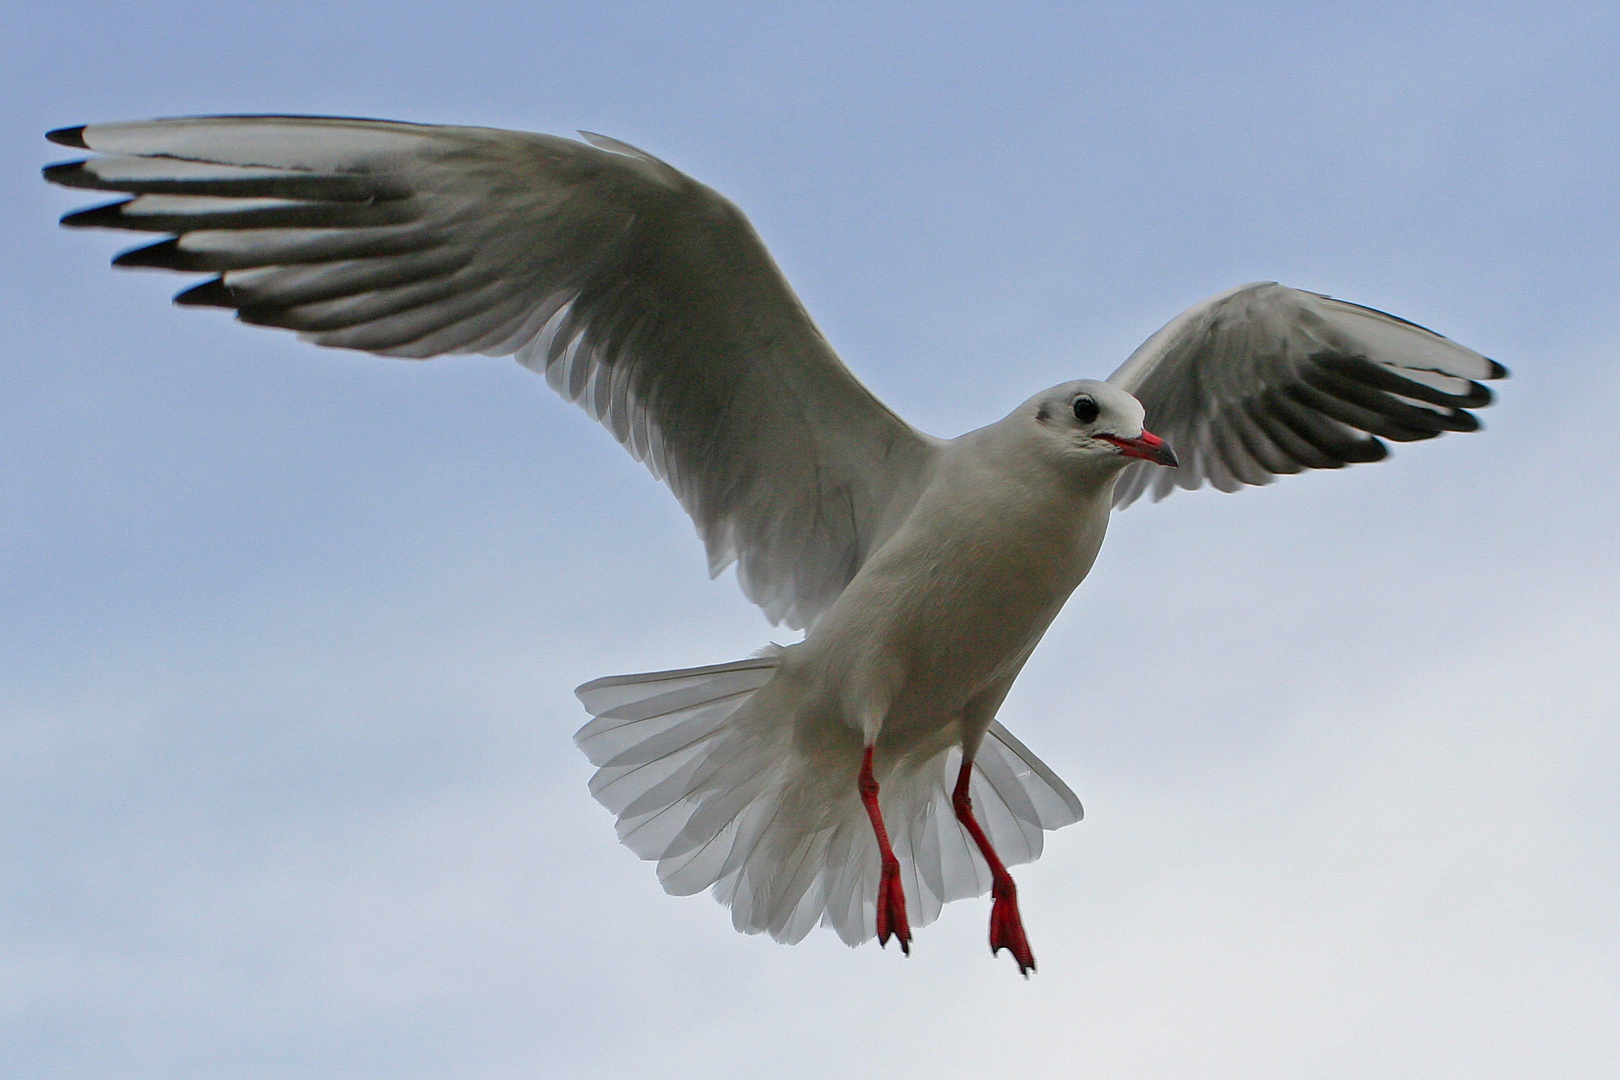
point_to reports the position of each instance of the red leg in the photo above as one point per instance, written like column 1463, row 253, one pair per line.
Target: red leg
column 1006, row 925
column 891, row 899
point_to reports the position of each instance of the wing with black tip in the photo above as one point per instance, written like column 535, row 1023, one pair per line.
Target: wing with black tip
column 639, row 293
column 1264, row 379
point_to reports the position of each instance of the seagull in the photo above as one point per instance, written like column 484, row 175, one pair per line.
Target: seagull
column 859, row 778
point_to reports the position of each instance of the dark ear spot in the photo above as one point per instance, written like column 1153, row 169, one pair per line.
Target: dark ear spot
column 1042, row 415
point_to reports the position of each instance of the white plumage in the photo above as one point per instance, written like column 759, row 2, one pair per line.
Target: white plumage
column 699, row 796
column 925, row 570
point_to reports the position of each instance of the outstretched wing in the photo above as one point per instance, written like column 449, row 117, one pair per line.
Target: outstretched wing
column 1264, row 379
column 639, row 293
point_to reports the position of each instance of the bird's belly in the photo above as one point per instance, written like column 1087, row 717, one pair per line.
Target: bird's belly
column 965, row 635
column 925, row 630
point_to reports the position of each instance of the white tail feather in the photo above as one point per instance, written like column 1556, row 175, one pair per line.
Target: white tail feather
column 720, row 797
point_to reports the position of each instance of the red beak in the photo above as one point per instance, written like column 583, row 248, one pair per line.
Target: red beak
column 1147, row 446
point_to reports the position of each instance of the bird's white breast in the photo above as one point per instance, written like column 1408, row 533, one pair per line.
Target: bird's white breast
column 950, row 607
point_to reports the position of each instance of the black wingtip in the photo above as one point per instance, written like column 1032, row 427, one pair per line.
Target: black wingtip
column 163, row 255
column 212, row 293
column 64, row 173
column 108, row 215
column 69, row 136
column 1497, row 370
column 1360, row 452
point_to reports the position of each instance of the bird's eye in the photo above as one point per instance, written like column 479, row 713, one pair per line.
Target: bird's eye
column 1085, row 408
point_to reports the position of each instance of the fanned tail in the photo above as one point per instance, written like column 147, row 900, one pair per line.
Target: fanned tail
column 718, row 794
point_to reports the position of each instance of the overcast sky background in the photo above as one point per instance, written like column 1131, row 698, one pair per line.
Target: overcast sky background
column 288, row 635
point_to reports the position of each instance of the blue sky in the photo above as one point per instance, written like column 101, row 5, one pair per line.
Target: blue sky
column 287, row 636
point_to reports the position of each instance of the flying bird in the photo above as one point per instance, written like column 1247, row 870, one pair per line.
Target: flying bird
column 858, row 778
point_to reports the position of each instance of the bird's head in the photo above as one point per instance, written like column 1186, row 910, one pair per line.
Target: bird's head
column 1095, row 422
